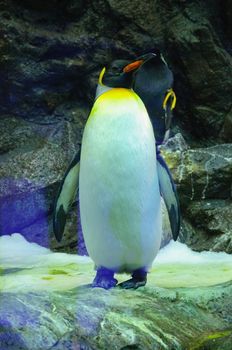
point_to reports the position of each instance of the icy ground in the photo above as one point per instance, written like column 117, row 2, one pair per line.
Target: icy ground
column 27, row 266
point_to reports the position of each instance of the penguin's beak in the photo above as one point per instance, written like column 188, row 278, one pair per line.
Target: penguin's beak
column 136, row 64
column 132, row 66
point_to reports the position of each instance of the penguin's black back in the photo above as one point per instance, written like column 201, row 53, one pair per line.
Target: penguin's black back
column 151, row 83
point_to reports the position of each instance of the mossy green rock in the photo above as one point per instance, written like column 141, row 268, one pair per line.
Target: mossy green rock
column 150, row 318
column 51, row 305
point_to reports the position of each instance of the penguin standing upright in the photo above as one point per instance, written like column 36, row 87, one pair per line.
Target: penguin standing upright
column 119, row 189
column 153, row 84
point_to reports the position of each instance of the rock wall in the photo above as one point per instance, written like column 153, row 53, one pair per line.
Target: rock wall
column 204, row 182
column 50, row 56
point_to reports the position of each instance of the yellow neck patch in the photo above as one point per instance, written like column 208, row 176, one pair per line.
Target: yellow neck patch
column 101, row 76
column 170, row 94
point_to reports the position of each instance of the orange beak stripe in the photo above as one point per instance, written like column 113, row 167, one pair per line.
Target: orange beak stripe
column 132, row 66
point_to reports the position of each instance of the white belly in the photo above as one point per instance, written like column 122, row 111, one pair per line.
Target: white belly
column 119, row 192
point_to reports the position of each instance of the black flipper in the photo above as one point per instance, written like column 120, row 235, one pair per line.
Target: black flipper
column 66, row 196
column 169, row 194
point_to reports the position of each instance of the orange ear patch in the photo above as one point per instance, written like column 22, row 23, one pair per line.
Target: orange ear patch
column 132, row 66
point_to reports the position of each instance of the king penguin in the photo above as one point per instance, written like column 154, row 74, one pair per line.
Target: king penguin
column 118, row 179
column 153, row 84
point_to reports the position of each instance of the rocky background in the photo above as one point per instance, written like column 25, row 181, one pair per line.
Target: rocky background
column 50, row 56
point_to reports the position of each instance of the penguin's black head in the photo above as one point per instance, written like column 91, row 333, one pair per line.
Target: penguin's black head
column 119, row 73
column 154, row 76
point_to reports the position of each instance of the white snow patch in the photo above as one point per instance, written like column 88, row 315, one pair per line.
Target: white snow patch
column 16, row 251
column 179, row 253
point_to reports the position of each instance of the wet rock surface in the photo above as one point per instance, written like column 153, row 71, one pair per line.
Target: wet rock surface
column 98, row 319
column 33, row 158
column 201, row 173
column 203, row 178
column 51, row 306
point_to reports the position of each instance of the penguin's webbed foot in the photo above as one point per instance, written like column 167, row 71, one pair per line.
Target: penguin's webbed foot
column 132, row 283
column 139, row 279
column 104, row 279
